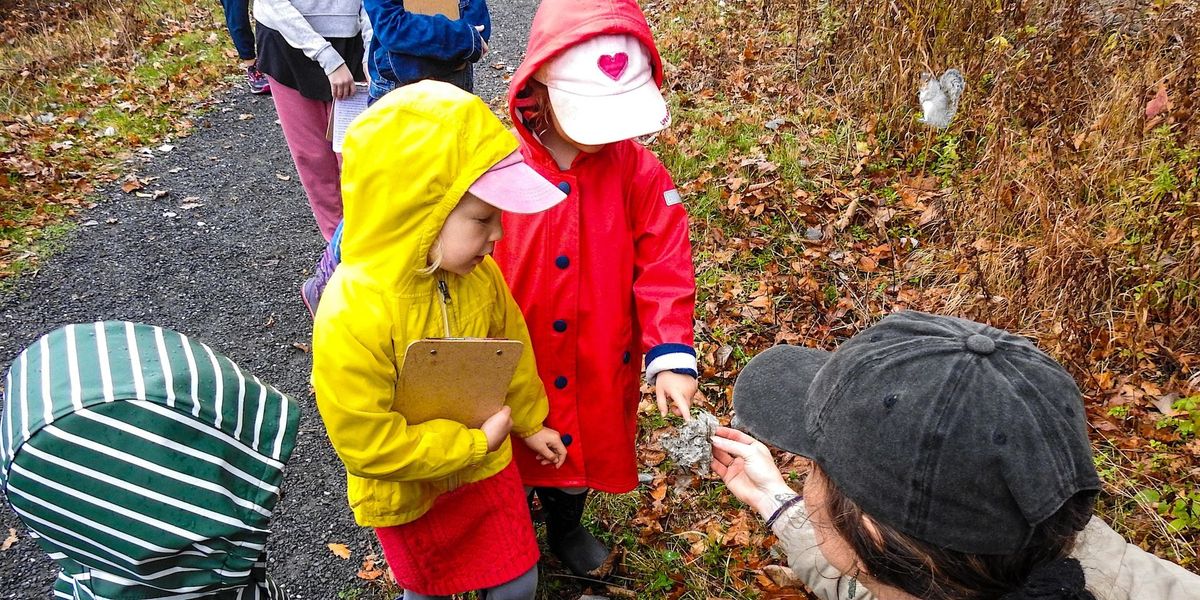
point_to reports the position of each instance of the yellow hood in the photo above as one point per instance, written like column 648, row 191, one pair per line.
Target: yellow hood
column 419, row 147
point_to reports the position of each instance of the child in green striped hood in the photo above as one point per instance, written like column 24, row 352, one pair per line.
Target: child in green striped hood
column 145, row 464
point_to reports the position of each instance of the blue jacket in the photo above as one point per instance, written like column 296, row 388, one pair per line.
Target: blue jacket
column 407, row 47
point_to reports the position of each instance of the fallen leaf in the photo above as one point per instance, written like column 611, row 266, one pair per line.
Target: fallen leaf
column 369, row 571
column 370, row 575
column 300, row 346
column 844, row 220
column 340, row 550
column 723, row 354
column 1166, row 404
column 763, row 302
column 782, row 576
column 10, row 540
column 659, row 492
column 131, row 185
column 1159, row 103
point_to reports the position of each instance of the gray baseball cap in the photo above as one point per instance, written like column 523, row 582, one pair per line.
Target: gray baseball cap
column 953, row 432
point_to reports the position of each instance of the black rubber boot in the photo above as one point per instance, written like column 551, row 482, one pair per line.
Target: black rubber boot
column 569, row 540
column 536, row 512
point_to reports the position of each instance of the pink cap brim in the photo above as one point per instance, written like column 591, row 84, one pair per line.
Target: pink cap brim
column 513, row 186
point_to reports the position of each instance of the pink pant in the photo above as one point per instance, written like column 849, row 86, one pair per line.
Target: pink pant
column 304, row 124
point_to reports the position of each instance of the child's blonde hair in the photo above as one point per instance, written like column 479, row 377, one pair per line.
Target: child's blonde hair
column 434, row 258
column 533, row 105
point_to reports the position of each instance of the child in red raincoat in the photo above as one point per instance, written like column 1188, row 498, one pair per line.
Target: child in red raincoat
column 605, row 278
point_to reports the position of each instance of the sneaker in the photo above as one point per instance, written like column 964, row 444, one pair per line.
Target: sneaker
column 313, row 287
column 257, row 81
column 310, row 292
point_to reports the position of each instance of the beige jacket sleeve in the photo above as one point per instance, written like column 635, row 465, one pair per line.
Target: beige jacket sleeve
column 1118, row 570
column 1114, row 569
column 799, row 542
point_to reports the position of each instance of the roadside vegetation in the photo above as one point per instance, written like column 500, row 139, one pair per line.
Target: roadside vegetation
column 85, row 84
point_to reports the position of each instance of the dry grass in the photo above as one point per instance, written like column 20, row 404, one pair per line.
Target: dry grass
column 1087, row 208
column 43, row 37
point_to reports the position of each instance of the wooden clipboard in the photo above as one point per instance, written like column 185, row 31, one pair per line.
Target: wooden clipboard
column 461, row 379
column 446, row 8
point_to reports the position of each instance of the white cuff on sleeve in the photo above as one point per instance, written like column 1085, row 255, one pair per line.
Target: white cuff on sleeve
column 667, row 362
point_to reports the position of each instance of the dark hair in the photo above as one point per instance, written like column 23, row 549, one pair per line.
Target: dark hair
column 1041, row 571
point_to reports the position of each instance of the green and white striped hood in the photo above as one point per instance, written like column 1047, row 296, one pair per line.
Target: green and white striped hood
column 146, row 464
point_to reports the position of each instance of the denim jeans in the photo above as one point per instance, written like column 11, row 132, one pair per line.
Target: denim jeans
column 237, row 21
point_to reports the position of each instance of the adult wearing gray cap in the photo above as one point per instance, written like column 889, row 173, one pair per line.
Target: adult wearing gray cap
column 950, row 461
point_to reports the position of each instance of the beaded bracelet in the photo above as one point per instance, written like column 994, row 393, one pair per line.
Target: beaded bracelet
column 783, row 508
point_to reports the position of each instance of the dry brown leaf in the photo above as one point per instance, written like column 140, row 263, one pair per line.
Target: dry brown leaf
column 1159, row 103
column 844, row 220
column 867, row 264
column 659, row 492
column 782, row 576
column 763, row 302
column 1166, row 404
column 10, row 540
column 620, row 592
column 369, row 571
column 342, row 551
column 723, row 354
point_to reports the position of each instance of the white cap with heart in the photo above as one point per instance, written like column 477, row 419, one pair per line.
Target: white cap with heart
column 603, row 90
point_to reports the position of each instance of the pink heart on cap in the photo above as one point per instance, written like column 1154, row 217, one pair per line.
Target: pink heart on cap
column 613, row 64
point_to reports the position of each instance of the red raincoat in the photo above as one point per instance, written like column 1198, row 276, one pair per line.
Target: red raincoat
column 603, row 278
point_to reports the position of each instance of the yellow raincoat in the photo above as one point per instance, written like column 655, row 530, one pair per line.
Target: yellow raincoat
column 408, row 161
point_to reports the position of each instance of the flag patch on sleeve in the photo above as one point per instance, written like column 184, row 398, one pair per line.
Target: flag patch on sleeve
column 672, row 197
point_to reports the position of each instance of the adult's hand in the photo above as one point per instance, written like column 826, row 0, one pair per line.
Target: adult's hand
column 341, row 83
column 749, row 472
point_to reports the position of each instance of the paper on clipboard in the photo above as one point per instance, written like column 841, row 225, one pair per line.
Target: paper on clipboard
column 461, row 379
column 344, row 113
column 447, row 8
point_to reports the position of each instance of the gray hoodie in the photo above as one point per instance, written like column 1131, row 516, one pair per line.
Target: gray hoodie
column 306, row 23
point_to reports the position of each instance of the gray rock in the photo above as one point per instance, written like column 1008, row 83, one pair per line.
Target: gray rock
column 691, row 445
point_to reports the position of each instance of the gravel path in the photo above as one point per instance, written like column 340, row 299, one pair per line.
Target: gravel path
column 228, row 273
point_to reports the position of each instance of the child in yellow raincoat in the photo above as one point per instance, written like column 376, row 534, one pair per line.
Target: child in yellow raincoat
column 428, row 170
